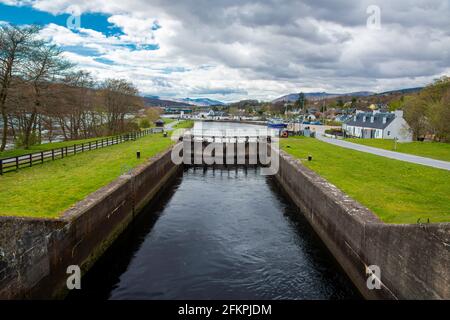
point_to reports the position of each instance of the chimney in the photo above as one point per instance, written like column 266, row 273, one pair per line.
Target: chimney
column 399, row 113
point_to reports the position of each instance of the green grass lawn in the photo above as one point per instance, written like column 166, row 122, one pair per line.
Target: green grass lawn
column 47, row 190
column 397, row 191
column 184, row 124
column 44, row 147
column 434, row 150
column 168, row 120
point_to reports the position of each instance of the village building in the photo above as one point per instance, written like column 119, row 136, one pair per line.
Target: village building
column 378, row 125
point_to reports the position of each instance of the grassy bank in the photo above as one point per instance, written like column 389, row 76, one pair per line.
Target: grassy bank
column 168, row 120
column 434, row 150
column 184, row 124
column 44, row 147
column 397, row 191
column 47, row 190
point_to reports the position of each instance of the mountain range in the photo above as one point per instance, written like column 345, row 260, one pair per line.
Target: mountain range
column 200, row 102
column 206, row 102
column 155, row 101
column 324, row 95
column 321, row 95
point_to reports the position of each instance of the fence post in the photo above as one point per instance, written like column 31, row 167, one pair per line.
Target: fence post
column 67, row 151
column 53, row 154
column 1, row 167
column 17, row 163
column 75, row 148
column 31, row 159
column 42, row 156
column 89, row 146
column 62, row 152
column 82, row 147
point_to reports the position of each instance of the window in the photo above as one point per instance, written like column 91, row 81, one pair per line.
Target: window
column 371, row 119
column 389, row 133
column 384, row 119
column 364, row 119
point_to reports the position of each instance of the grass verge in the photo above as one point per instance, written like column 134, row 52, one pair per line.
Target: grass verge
column 434, row 150
column 397, row 191
column 185, row 124
column 49, row 189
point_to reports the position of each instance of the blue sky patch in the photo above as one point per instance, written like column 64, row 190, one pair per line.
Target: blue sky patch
column 28, row 15
column 84, row 51
column 104, row 61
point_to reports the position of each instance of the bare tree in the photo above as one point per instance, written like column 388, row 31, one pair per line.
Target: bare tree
column 45, row 65
column 75, row 109
column 15, row 44
column 119, row 99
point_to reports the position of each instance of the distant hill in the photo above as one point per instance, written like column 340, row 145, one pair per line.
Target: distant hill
column 156, row 102
column 325, row 95
column 321, row 95
column 201, row 102
column 402, row 91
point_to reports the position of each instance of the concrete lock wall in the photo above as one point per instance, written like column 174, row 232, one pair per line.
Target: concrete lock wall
column 414, row 259
column 35, row 253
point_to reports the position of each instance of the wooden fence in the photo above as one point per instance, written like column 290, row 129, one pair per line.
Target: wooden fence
column 31, row 159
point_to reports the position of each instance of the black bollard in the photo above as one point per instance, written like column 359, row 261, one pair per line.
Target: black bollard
column 310, row 158
column 138, row 154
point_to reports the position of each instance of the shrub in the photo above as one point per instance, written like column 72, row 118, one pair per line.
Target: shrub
column 144, row 123
column 19, row 142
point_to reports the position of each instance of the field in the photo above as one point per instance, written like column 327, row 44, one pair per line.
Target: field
column 49, row 189
column 397, row 191
column 434, row 150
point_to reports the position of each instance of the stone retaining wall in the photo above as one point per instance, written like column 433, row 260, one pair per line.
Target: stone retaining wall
column 35, row 253
column 414, row 259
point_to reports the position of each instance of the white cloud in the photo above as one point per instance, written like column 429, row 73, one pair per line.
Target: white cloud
column 264, row 48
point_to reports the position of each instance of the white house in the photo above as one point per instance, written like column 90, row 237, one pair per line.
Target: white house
column 378, row 125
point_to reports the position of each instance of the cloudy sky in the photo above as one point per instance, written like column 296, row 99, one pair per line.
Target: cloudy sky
column 239, row 49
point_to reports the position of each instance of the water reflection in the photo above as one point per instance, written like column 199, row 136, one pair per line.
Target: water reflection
column 218, row 234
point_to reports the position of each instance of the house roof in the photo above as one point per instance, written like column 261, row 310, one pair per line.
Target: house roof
column 377, row 121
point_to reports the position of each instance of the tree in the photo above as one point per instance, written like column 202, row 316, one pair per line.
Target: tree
column 45, row 64
column 153, row 114
column 144, row 123
column 415, row 116
column 301, row 101
column 76, row 108
column 15, row 45
column 119, row 99
column 428, row 111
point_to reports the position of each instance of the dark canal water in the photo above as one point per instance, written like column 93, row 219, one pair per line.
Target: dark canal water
column 218, row 234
